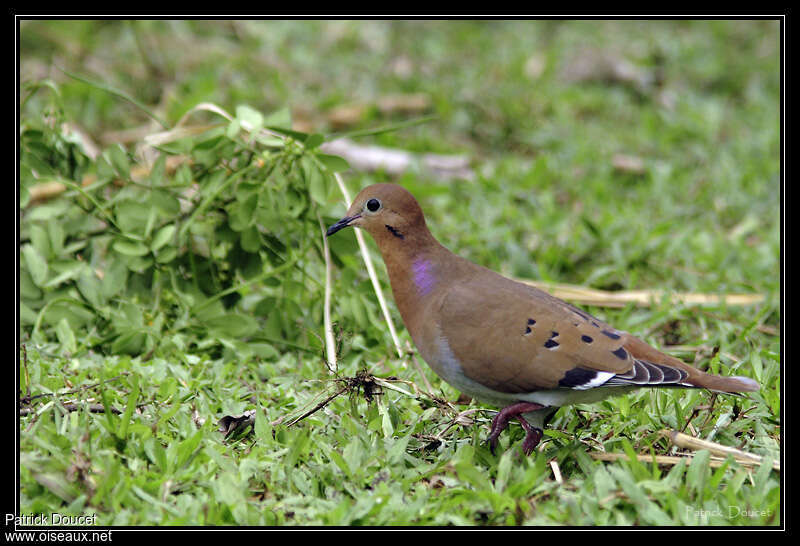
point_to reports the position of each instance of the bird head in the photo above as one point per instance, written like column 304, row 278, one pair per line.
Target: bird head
column 386, row 211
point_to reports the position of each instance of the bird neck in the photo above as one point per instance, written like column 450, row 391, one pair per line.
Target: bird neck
column 418, row 266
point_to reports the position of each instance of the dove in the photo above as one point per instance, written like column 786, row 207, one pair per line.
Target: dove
column 502, row 342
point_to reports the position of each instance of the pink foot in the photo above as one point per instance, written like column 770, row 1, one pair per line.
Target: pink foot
column 500, row 423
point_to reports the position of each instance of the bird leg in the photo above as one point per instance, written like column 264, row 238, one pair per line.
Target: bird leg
column 500, row 423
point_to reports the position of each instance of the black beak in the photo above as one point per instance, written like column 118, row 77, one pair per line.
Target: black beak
column 343, row 223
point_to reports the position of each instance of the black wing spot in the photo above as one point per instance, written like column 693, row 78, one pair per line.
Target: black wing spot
column 550, row 344
column 553, row 334
column 528, row 330
column 577, row 377
column 586, row 339
column 621, row 353
column 612, row 335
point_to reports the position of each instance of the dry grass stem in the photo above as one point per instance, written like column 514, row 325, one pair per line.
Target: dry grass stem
column 690, row 442
column 362, row 244
column 643, row 298
column 556, row 471
column 330, row 343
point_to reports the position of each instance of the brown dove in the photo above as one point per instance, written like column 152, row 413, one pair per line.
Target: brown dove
column 502, row 342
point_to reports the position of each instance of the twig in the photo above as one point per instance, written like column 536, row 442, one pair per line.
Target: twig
column 330, row 343
column 444, row 404
column 29, row 399
column 93, row 408
column 371, row 271
column 27, row 375
column 117, row 92
column 668, row 460
column 46, row 190
column 461, row 418
column 421, row 372
column 319, row 406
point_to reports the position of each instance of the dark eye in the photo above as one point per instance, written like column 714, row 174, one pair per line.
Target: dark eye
column 373, row 205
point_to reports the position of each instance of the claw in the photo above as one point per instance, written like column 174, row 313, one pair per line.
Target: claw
column 500, row 423
column 532, row 437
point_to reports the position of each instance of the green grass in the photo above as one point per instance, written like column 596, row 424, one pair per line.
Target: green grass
column 222, row 313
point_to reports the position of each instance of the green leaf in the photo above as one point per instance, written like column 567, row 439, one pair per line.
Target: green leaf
column 72, row 271
column 248, row 208
column 261, row 428
column 187, row 447
column 125, row 420
column 129, row 343
column 118, row 158
column 503, row 470
column 167, row 255
column 90, row 287
column 333, row 162
column 337, row 458
column 37, row 266
column 251, row 239
column 386, row 421
column 250, row 116
column 114, row 278
column 163, row 236
column 298, row 447
column 130, row 315
column 167, row 204
column 66, row 337
column 279, row 119
column 313, row 141
column 384, row 129
column 48, row 211
column 56, row 236
column 156, row 453
column 297, row 135
column 233, row 325
column 129, row 248
column 604, row 484
column 28, row 291
column 132, row 216
column 469, row 473
column 58, row 485
column 317, row 188
column 159, row 171
column 233, row 128
column 758, row 366
column 111, row 419
column 40, row 240
column 24, row 197
column 697, row 473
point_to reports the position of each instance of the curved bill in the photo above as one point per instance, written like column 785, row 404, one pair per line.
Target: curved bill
column 343, row 223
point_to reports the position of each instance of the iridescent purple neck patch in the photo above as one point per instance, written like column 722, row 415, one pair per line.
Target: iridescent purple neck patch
column 422, row 273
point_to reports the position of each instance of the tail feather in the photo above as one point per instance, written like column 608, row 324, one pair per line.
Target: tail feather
column 734, row 383
column 690, row 376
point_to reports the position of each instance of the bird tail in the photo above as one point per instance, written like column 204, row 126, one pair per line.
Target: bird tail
column 695, row 377
column 721, row 383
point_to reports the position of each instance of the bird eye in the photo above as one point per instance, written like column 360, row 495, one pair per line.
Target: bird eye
column 373, row 205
